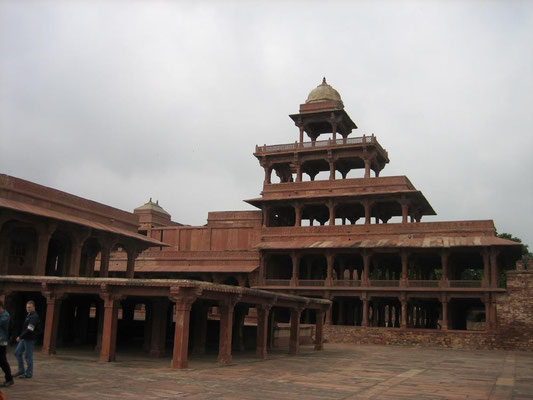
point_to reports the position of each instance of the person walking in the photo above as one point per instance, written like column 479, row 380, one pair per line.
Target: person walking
column 4, row 339
column 26, row 341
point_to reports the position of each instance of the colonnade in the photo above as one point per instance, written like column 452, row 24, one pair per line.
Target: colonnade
column 404, row 310
column 299, row 208
column 489, row 257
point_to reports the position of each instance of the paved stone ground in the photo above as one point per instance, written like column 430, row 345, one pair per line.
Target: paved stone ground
column 339, row 372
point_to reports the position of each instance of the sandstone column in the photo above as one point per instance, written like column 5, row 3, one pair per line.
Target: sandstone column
column 263, row 311
column 183, row 298
column 53, row 308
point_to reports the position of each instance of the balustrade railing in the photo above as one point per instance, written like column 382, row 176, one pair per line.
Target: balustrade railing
column 278, row 282
column 318, row 143
column 384, row 283
column 350, row 283
column 465, row 284
column 310, row 282
column 420, row 283
column 376, row 283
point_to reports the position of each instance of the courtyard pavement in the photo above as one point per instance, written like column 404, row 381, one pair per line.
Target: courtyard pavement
column 339, row 372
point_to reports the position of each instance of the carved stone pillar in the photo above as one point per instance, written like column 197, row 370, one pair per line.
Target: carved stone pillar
column 266, row 215
column 331, row 207
column 301, row 134
column 53, row 308
column 367, row 205
column 331, row 169
column 109, row 329
column 78, row 238
column 44, row 233
column 295, row 258
column 444, row 300
column 405, row 258
column 226, row 308
column 366, row 267
column 444, row 258
column 403, row 300
column 298, row 214
column 183, row 298
column 106, row 245
column 367, row 167
column 268, row 174
column 330, row 258
column 263, row 262
column 263, row 311
column 405, row 211
column 132, row 253
column 294, row 340
column 494, row 276
column 364, row 320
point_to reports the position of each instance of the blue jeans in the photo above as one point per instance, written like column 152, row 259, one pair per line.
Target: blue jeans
column 25, row 346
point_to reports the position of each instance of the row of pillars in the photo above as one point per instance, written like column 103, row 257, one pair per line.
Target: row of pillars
column 183, row 301
column 332, row 205
column 299, row 171
column 385, row 314
column 490, row 268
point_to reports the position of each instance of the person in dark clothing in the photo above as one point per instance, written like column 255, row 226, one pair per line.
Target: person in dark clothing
column 26, row 341
column 4, row 327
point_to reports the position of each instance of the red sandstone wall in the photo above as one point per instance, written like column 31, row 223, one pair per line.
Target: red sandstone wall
column 515, row 311
column 395, row 336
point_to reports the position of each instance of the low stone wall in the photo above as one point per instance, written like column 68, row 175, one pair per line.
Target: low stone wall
column 420, row 337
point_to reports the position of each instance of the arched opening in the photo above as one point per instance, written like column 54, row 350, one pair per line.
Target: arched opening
column 59, row 251
column 310, row 170
column 386, row 267
column 279, row 267
column 282, row 216
column 348, row 268
column 315, row 213
column 89, row 252
column 346, row 165
column 385, row 210
column 466, row 314
column 350, row 213
column 466, row 266
column 347, row 311
column 313, row 267
column 424, row 266
column 283, row 173
column 21, row 248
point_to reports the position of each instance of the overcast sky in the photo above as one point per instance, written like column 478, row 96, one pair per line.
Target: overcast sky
column 120, row 101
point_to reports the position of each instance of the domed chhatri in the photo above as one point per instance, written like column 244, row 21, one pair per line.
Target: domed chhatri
column 323, row 92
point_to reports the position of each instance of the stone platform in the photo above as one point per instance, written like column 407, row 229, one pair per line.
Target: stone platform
column 341, row 371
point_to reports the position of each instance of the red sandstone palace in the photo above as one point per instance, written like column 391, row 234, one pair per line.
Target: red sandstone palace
column 334, row 249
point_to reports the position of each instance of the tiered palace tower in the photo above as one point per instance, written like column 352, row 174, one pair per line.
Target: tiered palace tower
column 359, row 240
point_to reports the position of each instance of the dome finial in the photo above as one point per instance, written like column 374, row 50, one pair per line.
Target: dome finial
column 324, row 81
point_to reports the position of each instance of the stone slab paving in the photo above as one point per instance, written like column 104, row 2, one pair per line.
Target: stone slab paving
column 339, row 372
